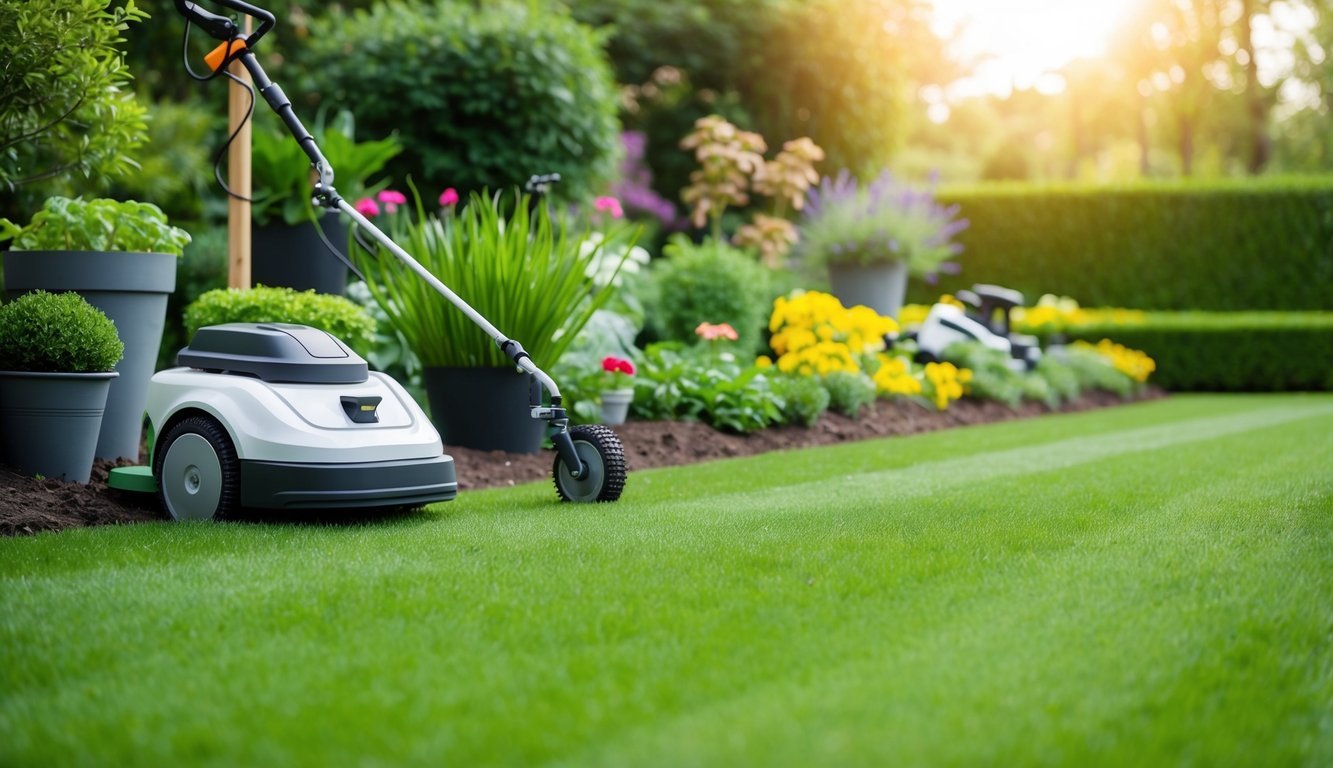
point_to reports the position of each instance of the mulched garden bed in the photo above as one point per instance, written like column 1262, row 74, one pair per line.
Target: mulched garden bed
column 29, row 505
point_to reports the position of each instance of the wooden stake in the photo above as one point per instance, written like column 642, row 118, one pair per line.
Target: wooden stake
column 238, row 178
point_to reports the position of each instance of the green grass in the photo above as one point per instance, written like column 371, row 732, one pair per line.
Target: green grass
column 1150, row 584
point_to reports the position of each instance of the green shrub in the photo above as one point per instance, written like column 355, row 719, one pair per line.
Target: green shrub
column 1212, row 246
column 678, row 382
column 76, row 224
column 67, row 108
column 804, row 399
column 849, row 393
column 483, row 95
column 334, row 314
column 992, row 378
column 57, row 333
column 1230, row 352
column 710, row 282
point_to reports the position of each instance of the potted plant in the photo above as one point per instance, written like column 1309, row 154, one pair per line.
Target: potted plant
column 57, row 355
column 617, row 388
column 121, row 257
column 871, row 237
column 286, row 249
column 523, row 268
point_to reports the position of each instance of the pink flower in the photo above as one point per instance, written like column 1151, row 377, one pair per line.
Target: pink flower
column 609, row 205
column 367, row 207
column 712, row 332
column 391, row 198
column 448, row 198
column 613, row 364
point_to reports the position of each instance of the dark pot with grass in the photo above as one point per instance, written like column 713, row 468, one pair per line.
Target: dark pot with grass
column 121, row 257
column 288, row 248
column 530, row 274
column 57, row 353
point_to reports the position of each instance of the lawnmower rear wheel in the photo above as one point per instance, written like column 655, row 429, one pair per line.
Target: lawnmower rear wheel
column 600, row 450
column 197, row 470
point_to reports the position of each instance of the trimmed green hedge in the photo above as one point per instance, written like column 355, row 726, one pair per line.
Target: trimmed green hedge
column 1251, row 245
column 1231, row 351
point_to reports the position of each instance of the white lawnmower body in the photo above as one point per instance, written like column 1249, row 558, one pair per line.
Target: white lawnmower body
column 947, row 324
column 303, row 423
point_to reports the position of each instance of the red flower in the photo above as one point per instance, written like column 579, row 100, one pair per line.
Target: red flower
column 613, row 364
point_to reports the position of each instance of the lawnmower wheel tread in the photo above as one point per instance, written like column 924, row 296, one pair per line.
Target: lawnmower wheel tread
column 227, row 464
column 600, row 447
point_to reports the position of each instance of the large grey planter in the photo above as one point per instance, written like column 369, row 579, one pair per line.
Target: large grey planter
column 132, row 289
column 286, row 256
column 483, row 408
column 878, row 286
column 49, row 421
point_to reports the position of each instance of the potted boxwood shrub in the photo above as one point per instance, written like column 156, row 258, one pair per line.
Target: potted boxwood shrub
column 528, row 271
column 871, row 237
column 286, row 250
column 57, row 353
column 121, row 257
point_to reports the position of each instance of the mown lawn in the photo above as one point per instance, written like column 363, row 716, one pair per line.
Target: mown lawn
column 1145, row 585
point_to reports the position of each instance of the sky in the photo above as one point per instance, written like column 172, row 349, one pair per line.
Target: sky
column 1025, row 39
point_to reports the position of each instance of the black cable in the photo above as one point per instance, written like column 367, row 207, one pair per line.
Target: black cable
column 319, row 229
column 226, row 146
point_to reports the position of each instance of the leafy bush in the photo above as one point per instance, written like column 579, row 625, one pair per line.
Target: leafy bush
column 483, row 94
column 1230, row 351
column 525, row 270
column 66, row 224
column 707, row 283
column 66, row 105
column 678, row 382
column 804, row 399
column 1256, row 244
column 57, row 333
column 849, row 393
column 334, row 314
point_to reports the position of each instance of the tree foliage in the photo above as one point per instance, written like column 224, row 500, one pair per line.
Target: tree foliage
column 65, row 106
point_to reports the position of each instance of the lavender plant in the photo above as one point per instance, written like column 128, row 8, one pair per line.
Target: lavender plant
column 886, row 220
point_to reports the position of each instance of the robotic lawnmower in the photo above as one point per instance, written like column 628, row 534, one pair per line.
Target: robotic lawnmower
column 986, row 320
column 277, row 416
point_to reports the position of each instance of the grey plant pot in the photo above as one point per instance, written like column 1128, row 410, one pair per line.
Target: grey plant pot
column 286, row 256
column 615, row 405
column 49, row 421
column 483, row 408
column 132, row 289
column 878, row 286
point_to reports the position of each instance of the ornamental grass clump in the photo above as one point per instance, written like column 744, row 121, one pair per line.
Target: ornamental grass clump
column 57, row 333
column 526, row 270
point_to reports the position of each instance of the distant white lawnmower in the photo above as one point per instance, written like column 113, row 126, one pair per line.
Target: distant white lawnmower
column 986, row 321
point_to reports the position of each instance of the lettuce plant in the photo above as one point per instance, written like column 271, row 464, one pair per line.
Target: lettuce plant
column 73, row 224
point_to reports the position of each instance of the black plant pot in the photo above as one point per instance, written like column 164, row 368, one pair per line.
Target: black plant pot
column 483, row 408
column 132, row 289
column 285, row 256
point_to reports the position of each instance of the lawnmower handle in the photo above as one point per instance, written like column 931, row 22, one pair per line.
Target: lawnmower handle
column 223, row 28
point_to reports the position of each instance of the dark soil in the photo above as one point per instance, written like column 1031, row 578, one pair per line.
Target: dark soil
column 29, row 505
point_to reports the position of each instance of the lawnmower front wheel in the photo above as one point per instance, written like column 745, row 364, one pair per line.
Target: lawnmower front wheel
column 603, row 455
column 197, row 470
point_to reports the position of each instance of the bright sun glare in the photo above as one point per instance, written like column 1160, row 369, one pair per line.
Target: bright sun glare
column 1023, row 40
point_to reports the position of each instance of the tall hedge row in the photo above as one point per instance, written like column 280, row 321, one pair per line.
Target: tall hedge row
column 1217, row 246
